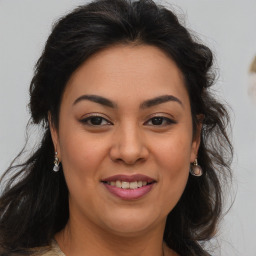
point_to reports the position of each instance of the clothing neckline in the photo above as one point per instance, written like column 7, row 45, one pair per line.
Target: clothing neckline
column 56, row 248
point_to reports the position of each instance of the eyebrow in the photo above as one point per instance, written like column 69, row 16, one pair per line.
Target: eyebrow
column 160, row 100
column 146, row 104
column 98, row 99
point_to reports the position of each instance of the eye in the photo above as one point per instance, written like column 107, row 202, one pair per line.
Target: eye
column 95, row 121
column 159, row 121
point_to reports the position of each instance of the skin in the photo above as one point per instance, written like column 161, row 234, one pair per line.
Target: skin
column 127, row 141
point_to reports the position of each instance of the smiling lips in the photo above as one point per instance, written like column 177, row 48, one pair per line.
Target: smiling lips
column 129, row 187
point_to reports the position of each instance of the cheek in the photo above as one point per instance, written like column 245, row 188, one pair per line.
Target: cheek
column 173, row 153
column 81, row 155
column 82, row 159
column 174, row 161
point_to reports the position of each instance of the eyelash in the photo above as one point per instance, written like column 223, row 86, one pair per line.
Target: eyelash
column 88, row 120
column 167, row 121
column 162, row 119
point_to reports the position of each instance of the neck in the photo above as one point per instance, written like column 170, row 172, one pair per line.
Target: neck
column 86, row 240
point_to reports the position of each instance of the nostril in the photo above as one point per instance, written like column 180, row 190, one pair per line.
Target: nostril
column 130, row 161
column 128, row 150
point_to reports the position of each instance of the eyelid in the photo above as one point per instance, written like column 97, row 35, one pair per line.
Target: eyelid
column 161, row 114
column 165, row 116
column 93, row 114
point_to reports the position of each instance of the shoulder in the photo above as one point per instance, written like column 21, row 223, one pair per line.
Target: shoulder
column 51, row 250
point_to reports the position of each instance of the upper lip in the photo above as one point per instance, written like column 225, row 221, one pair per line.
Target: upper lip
column 129, row 178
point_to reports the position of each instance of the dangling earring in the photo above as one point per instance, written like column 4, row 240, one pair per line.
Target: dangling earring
column 56, row 166
column 195, row 169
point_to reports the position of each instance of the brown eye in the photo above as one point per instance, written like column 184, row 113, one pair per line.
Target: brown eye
column 160, row 121
column 157, row 120
column 95, row 121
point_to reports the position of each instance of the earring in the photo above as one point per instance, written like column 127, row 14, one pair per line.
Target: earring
column 56, row 166
column 195, row 169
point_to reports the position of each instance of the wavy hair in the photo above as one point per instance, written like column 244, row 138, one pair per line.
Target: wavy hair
column 34, row 201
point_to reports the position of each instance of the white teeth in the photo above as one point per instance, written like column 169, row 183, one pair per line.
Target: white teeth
column 133, row 185
column 139, row 184
column 127, row 185
column 118, row 184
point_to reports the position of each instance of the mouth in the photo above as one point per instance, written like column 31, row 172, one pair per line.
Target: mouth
column 129, row 187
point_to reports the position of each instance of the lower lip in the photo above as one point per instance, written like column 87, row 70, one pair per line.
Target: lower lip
column 129, row 194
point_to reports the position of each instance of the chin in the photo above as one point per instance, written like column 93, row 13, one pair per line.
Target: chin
column 132, row 223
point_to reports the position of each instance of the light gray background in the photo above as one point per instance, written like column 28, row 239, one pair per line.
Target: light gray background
column 227, row 26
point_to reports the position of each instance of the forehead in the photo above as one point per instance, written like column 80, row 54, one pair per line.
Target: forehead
column 127, row 71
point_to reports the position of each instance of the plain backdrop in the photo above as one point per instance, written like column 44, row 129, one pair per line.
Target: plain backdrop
column 226, row 26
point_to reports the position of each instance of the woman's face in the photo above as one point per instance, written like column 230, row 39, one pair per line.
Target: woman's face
column 125, row 139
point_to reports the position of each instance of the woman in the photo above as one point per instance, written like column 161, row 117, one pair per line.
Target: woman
column 134, row 147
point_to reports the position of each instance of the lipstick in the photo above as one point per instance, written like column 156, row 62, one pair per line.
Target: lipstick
column 129, row 187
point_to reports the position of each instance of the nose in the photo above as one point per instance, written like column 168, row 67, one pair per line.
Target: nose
column 128, row 146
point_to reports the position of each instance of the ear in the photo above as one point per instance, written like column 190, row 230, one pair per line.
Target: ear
column 54, row 134
column 196, row 138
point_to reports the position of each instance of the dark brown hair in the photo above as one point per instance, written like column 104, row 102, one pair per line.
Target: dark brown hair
column 34, row 203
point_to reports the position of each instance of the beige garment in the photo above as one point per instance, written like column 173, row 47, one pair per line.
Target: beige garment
column 52, row 250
